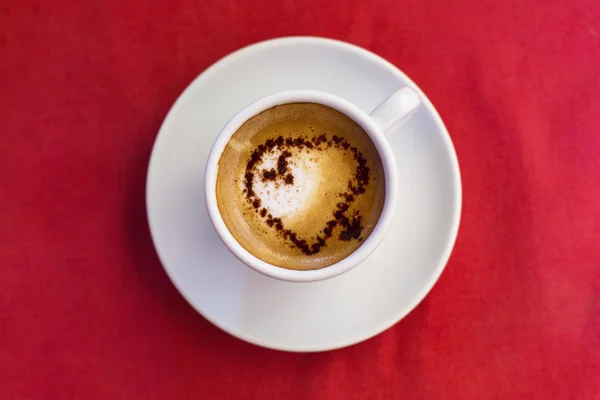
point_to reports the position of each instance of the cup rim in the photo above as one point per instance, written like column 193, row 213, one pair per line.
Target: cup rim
column 385, row 154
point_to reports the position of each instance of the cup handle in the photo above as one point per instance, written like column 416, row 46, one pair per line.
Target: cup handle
column 396, row 109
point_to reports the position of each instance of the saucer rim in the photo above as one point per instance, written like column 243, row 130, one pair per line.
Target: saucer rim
column 426, row 103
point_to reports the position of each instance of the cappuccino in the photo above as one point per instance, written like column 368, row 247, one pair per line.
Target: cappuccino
column 300, row 186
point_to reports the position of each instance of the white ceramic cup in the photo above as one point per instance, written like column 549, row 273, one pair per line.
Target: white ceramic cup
column 393, row 111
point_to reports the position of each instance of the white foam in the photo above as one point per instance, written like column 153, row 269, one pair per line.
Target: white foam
column 283, row 200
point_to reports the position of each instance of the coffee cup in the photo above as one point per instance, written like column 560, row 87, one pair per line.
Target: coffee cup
column 391, row 113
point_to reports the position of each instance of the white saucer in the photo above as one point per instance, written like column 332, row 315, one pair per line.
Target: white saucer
column 301, row 316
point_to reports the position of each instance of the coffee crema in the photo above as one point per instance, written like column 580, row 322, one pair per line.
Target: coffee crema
column 300, row 186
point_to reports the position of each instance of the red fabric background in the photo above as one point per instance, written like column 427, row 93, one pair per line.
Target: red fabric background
column 86, row 310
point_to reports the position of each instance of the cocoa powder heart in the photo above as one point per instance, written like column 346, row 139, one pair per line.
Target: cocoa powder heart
column 349, row 226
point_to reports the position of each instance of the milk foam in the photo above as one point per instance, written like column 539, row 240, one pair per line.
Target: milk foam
column 301, row 212
column 283, row 200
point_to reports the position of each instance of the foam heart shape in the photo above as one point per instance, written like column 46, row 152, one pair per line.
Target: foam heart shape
column 347, row 227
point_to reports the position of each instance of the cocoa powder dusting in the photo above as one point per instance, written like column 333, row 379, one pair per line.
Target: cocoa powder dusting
column 350, row 228
column 282, row 162
column 270, row 175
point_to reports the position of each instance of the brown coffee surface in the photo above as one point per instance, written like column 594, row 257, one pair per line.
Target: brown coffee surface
column 300, row 186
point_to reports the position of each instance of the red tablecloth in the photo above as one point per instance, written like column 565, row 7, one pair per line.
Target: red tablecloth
column 86, row 310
